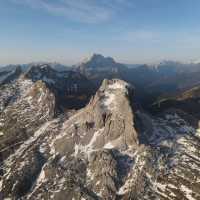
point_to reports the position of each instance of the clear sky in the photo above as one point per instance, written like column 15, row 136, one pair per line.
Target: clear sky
column 131, row 31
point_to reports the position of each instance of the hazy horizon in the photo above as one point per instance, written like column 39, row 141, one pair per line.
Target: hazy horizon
column 65, row 31
column 82, row 59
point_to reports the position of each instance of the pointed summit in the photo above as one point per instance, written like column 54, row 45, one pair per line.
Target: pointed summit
column 107, row 122
column 98, row 61
column 97, row 58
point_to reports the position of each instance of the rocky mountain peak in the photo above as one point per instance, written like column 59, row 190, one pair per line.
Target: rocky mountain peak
column 93, row 153
column 98, row 61
column 41, row 71
column 112, row 110
column 76, row 134
column 9, row 76
column 32, row 107
column 107, row 122
column 98, row 58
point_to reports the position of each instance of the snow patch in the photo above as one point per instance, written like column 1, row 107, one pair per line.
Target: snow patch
column 109, row 99
column 87, row 149
column 188, row 192
column 89, row 174
column 118, row 85
column 19, row 152
column 42, row 148
column 94, row 138
column 1, row 185
column 161, row 186
column 25, row 85
column 108, row 145
column 198, row 132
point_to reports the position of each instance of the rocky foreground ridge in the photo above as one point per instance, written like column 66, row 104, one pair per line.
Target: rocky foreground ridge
column 107, row 150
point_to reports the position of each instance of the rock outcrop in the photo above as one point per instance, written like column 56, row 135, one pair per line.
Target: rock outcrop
column 34, row 106
column 106, row 122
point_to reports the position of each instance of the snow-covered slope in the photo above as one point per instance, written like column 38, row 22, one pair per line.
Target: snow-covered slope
column 106, row 150
column 106, row 123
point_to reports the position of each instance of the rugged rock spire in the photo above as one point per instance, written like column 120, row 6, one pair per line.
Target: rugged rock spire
column 94, row 153
column 106, row 122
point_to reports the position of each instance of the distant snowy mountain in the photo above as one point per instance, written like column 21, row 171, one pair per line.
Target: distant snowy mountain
column 24, row 67
column 54, row 65
column 99, row 62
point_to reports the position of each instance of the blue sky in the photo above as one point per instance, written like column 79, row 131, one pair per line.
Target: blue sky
column 66, row 31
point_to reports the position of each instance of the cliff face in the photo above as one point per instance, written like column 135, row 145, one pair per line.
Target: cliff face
column 110, row 113
column 97, row 153
column 106, row 122
column 85, row 141
column 33, row 106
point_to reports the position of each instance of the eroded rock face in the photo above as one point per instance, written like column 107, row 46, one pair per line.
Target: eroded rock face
column 34, row 106
column 97, row 153
column 107, row 121
column 111, row 110
column 9, row 76
column 57, row 147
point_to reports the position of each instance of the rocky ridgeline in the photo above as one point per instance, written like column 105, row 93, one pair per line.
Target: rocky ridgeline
column 34, row 106
column 72, row 90
column 59, row 150
column 9, row 76
column 97, row 153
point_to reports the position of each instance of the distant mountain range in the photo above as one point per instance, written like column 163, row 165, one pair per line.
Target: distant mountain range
column 108, row 62
column 152, row 81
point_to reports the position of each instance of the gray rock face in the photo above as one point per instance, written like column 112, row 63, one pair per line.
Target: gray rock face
column 34, row 106
column 104, row 171
column 107, row 121
column 97, row 153
column 59, row 146
column 8, row 76
column 97, row 68
column 110, row 109
column 97, row 61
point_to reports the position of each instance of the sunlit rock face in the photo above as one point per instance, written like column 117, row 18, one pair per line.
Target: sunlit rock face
column 31, row 108
column 109, row 149
column 105, row 124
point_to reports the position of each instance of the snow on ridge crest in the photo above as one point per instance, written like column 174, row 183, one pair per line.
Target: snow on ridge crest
column 115, row 84
column 118, row 84
column 112, row 90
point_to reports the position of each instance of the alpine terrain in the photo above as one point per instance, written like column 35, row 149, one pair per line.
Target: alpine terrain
column 100, row 130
